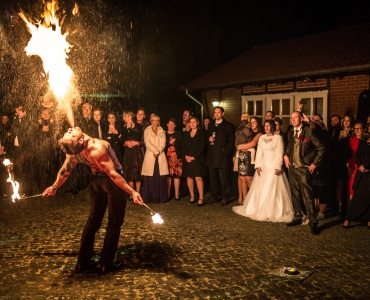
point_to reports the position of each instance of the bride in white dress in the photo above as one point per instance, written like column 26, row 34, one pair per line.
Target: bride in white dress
column 269, row 196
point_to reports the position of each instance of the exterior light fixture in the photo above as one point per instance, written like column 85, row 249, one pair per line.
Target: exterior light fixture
column 215, row 103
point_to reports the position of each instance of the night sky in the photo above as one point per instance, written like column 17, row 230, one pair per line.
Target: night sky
column 246, row 24
column 147, row 49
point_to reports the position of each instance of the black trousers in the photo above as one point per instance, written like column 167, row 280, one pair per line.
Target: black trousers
column 300, row 180
column 104, row 193
column 220, row 182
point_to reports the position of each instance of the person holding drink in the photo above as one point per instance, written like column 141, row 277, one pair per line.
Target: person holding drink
column 220, row 135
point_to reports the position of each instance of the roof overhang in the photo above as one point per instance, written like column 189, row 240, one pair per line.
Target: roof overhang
column 334, row 72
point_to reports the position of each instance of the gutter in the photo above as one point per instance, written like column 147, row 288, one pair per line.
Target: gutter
column 196, row 101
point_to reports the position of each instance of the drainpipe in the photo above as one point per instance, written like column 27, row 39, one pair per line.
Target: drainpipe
column 201, row 106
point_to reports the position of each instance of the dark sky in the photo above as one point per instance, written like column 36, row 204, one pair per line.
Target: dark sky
column 246, row 23
column 148, row 48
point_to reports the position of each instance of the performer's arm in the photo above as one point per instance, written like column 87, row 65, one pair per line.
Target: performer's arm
column 114, row 158
column 62, row 176
column 106, row 165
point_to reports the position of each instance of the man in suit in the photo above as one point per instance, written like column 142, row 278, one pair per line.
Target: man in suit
column 303, row 154
column 221, row 138
column 100, row 131
column 86, row 121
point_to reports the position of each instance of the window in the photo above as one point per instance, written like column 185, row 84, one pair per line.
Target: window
column 313, row 103
column 254, row 106
column 284, row 104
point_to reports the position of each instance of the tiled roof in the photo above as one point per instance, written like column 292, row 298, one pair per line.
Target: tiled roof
column 331, row 52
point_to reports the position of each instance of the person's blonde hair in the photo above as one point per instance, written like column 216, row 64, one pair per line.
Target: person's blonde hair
column 154, row 116
column 129, row 113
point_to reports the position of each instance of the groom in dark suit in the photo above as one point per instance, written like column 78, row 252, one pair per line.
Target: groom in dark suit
column 303, row 154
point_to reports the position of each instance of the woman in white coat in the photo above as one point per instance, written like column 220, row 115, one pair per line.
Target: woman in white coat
column 155, row 167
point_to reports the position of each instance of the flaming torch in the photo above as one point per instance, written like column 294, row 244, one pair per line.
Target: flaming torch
column 156, row 217
column 15, row 184
column 51, row 46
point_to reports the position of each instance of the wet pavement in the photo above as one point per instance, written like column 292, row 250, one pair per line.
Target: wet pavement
column 204, row 252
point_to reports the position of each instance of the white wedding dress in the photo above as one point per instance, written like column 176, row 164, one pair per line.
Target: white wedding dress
column 269, row 196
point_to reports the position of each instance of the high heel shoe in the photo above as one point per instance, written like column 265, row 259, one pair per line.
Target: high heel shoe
column 202, row 202
column 346, row 226
column 192, row 201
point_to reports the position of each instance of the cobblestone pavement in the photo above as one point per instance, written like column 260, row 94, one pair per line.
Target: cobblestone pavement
column 204, row 252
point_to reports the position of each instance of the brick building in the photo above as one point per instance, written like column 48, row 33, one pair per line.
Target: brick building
column 327, row 71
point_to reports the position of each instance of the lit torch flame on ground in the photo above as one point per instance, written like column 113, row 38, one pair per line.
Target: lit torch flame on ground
column 51, row 46
column 15, row 184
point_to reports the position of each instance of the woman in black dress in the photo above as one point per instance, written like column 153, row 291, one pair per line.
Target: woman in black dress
column 342, row 154
column 359, row 206
column 174, row 158
column 133, row 158
column 193, row 146
column 114, row 135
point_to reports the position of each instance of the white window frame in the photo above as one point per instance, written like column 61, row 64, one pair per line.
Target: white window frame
column 295, row 98
column 314, row 94
column 246, row 99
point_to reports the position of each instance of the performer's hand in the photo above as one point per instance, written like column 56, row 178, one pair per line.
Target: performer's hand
column 50, row 191
column 286, row 161
column 259, row 171
column 311, row 168
column 137, row 198
column 362, row 169
column 277, row 172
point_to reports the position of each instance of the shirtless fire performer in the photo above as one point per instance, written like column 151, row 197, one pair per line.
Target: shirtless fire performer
column 107, row 189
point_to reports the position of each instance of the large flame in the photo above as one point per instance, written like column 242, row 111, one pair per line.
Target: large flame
column 14, row 183
column 51, row 46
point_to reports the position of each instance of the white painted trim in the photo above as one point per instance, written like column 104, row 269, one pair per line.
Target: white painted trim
column 295, row 97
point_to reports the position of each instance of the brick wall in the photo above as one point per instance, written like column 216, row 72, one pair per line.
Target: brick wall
column 230, row 100
column 208, row 98
column 343, row 94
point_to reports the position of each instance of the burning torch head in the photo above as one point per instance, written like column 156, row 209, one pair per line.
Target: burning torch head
column 8, row 164
column 72, row 142
column 157, row 218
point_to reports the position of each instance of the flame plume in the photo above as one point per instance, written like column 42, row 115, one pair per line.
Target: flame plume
column 51, row 46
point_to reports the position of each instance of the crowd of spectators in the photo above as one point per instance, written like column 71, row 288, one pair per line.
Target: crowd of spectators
column 182, row 159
